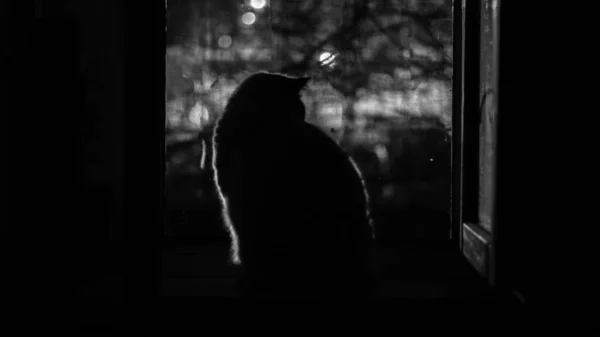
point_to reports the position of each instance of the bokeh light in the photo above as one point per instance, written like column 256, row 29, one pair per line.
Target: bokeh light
column 225, row 41
column 248, row 18
column 258, row 4
column 327, row 58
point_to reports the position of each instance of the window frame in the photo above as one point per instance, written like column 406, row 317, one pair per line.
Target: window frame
column 477, row 244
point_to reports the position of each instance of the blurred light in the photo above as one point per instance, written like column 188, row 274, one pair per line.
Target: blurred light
column 258, row 4
column 208, row 38
column 248, row 18
column 198, row 115
column 225, row 41
column 382, row 153
column 327, row 59
column 246, row 53
column 325, row 56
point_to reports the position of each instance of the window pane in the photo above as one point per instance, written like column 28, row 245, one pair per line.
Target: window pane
column 381, row 87
column 487, row 148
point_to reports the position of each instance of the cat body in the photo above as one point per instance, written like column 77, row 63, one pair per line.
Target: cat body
column 293, row 201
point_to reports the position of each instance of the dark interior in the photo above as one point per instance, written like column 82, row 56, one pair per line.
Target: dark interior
column 126, row 268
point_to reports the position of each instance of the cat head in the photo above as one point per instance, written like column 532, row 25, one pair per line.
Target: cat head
column 270, row 95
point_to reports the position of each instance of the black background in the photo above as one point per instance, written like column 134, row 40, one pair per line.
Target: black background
column 50, row 121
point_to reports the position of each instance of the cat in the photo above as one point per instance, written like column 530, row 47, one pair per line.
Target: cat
column 294, row 203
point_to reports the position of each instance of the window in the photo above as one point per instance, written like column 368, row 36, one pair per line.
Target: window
column 381, row 87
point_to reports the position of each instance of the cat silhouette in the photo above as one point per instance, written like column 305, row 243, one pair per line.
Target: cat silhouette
column 294, row 203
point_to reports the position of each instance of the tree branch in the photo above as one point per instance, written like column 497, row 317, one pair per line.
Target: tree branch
column 360, row 14
column 395, row 42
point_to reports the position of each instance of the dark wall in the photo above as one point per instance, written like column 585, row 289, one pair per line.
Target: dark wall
column 536, row 154
column 81, row 214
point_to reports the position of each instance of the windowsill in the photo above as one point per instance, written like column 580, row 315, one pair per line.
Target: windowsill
column 408, row 270
column 419, row 281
